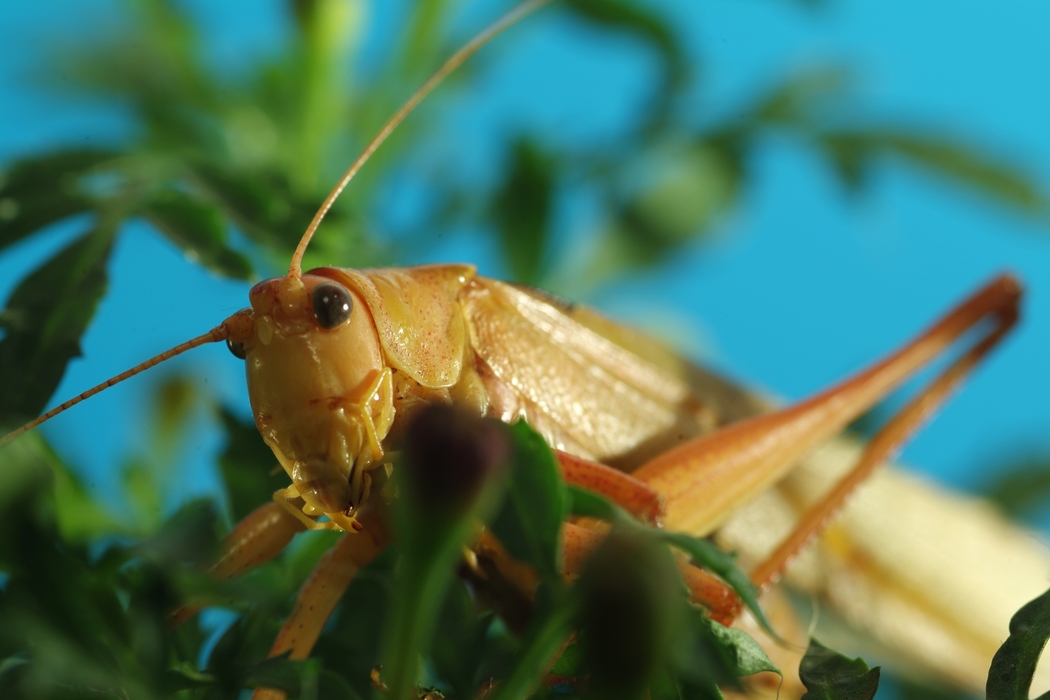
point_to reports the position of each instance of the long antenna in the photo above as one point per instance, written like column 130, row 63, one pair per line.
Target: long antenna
column 295, row 269
column 213, row 336
column 468, row 50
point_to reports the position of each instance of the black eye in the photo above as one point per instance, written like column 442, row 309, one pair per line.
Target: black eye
column 332, row 304
column 237, row 348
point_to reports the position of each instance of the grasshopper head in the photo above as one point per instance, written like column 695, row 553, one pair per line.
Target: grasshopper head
column 319, row 389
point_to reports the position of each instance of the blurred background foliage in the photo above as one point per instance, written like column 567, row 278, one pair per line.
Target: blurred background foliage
column 230, row 167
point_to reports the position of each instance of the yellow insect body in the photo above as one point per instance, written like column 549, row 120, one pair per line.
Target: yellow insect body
column 326, row 399
column 331, row 402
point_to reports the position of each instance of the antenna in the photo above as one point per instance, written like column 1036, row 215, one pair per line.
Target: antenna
column 454, row 62
column 213, row 336
column 222, row 332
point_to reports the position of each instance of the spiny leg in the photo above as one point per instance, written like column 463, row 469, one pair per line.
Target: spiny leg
column 322, row 590
column 636, row 497
column 882, row 447
column 743, row 458
column 704, row 480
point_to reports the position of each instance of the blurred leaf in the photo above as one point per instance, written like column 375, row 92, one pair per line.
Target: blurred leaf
column 797, row 99
column 523, row 211
column 967, row 165
column 188, row 537
column 261, row 202
column 41, row 190
column 174, row 401
column 702, row 552
column 853, row 152
column 706, row 554
column 459, row 653
column 650, row 27
column 453, row 472
column 1020, row 486
column 529, row 523
column 198, row 229
column 570, row 661
column 908, row 689
column 79, row 516
column 143, row 493
column 249, row 470
column 44, row 319
column 1013, row 666
column 829, row 675
column 702, row 657
column 629, row 613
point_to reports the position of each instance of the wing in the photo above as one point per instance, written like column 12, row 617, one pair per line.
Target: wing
column 586, row 393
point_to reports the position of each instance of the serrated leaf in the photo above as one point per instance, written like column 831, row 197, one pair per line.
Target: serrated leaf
column 702, row 660
column 747, row 656
column 1013, row 666
column 706, row 554
column 41, row 190
column 529, row 523
column 829, row 675
column 262, row 205
column 44, row 319
column 198, row 229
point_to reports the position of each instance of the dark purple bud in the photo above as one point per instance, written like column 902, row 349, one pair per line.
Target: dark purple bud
column 449, row 455
column 628, row 593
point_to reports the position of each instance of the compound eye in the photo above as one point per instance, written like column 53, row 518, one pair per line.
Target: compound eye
column 237, row 348
column 332, row 305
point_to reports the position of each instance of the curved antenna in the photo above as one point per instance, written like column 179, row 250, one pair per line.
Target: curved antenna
column 213, row 336
column 468, row 50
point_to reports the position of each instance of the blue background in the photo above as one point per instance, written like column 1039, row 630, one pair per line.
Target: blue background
column 801, row 285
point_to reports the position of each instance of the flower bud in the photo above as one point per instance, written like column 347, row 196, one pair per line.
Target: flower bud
column 449, row 456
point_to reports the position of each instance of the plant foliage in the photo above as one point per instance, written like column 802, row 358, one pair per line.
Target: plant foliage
column 230, row 169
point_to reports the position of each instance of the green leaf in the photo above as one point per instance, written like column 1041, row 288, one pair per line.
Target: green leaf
column 190, row 536
column 249, row 470
column 522, row 210
column 529, row 523
column 746, row 656
column 706, row 554
column 44, row 319
column 260, row 202
column 703, row 552
column 795, row 100
column 569, row 663
column 640, row 21
column 198, row 229
column 854, row 150
column 1010, row 676
column 631, row 611
column 453, row 472
column 701, row 659
column 41, row 190
column 1021, row 485
column 968, row 166
column 304, row 679
column 829, row 675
